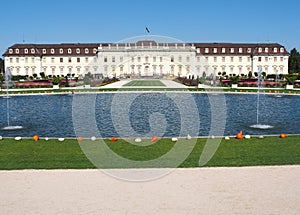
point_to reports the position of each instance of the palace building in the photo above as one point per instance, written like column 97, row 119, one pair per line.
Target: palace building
column 146, row 58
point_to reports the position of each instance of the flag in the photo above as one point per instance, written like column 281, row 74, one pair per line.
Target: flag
column 147, row 30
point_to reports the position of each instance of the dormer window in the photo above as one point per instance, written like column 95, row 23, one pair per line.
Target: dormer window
column 206, row 50
column 94, row 51
column 61, row 51
column 78, row 51
column 26, row 51
column 281, row 50
column 231, row 50
column 266, row 50
column 275, row 50
column 32, row 51
column 259, row 50
column 86, row 50
column 223, row 50
column 69, row 51
column 215, row 50
column 17, row 51
column 249, row 50
column 240, row 50
column 52, row 51
column 10, row 51
column 44, row 51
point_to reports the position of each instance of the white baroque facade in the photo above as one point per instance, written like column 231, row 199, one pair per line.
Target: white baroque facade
column 146, row 59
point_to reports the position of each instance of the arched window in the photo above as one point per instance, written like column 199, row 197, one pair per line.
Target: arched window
column 32, row 51
column 44, row 51
column 61, row 51
column 26, row 51
column 10, row 51
column 86, row 50
column 52, row 51
column 17, row 51
column 78, row 51
column 69, row 51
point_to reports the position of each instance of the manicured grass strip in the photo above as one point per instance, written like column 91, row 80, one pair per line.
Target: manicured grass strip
column 144, row 83
column 52, row 154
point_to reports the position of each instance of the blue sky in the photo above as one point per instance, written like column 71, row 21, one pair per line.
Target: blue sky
column 69, row 21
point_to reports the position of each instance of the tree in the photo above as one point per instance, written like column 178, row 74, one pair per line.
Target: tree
column 56, row 80
column 34, row 75
column 294, row 61
column 249, row 74
column 42, row 74
column 86, row 80
column 1, row 79
column 67, row 81
column 2, row 65
column 290, row 79
column 234, row 79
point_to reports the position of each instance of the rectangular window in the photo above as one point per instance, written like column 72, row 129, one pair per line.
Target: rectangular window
column 172, row 59
column 121, row 59
column 206, row 59
column 187, row 59
column 17, row 60
column 198, row 59
column 70, row 60
column 32, row 60
column 248, row 59
column 215, row 50
column 86, row 59
column 26, row 59
column 266, row 59
column 259, row 59
column 275, row 59
column 154, row 59
column 139, row 59
column 113, row 59
column 161, row 59
column 11, row 60
column 179, row 58
column 44, row 60
column 240, row 59
column 52, row 60
column 231, row 59
column 61, row 60
column 223, row 59
column 206, row 50
column 215, row 59
column 78, row 60
column 281, row 59
column 105, row 59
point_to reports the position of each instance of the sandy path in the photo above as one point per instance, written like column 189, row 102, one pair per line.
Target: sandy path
column 246, row 190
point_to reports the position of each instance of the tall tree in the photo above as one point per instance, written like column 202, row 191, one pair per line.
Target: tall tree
column 1, row 65
column 294, row 61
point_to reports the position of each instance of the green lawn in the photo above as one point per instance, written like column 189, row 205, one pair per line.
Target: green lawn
column 142, row 83
column 52, row 154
